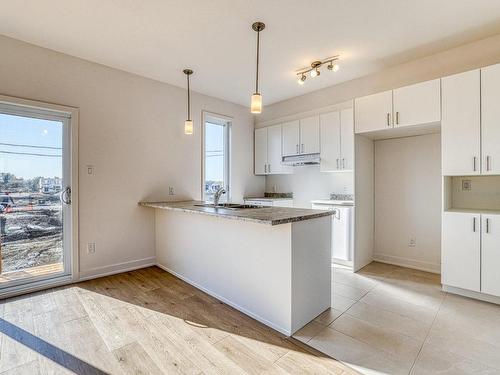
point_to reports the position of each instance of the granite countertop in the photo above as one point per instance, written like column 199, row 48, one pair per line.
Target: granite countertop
column 263, row 215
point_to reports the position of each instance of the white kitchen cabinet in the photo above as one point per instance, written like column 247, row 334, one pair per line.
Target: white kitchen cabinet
column 461, row 250
column 490, row 254
column 268, row 151
column 460, row 124
column 347, row 138
column 274, row 151
column 309, row 135
column 490, row 119
column 417, row 104
column 337, row 141
column 373, row 112
column 260, row 151
column 330, row 141
column 291, row 138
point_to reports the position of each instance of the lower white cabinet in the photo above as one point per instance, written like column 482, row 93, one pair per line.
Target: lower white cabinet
column 490, row 257
column 461, row 250
column 470, row 252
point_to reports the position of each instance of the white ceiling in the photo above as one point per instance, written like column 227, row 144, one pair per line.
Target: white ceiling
column 158, row 38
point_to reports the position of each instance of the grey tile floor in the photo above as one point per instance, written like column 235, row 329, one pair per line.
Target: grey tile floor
column 393, row 320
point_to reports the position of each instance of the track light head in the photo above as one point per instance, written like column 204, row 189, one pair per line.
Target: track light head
column 302, row 79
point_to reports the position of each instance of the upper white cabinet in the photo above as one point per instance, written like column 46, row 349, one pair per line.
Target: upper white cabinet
column 461, row 250
column 373, row 112
column 309, row 135
column 260, row 151
column 417, row 104
column 268, row 151
column 490, row 119
column 460, row 124
column 301, row 136
column 291, row 138
column 337, row 141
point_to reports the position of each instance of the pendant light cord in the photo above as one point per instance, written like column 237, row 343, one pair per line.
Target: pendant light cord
column 189, row 100
column 257, row 77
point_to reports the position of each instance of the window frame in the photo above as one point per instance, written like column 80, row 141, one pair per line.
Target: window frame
column 227, row 122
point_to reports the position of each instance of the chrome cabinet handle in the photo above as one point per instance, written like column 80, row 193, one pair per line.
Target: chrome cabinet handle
column 397, row 118
column 488, row 163
column 487, row 225
column 474, row 163
column 269, row 168
column 473, row 224
column 265, row 168
column 296, row 148
column 388, row 119
column 338, row 163
column 303, row 148
column 343, row 163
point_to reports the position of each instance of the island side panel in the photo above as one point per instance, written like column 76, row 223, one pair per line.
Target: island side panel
column 245, row 264
column 311, row 269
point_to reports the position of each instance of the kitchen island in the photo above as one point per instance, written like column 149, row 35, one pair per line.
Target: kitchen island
column 271, row 263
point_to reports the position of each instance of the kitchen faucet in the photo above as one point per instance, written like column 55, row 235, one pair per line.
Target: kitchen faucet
column 217, row 195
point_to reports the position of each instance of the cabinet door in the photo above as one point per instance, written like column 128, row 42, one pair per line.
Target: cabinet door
column 490, row 270
column 417, row 104
column 291, row 134
column 330, row 141
column 373, row 112
column 490, row 119
column 461, row 250
column 460, row 124
column 274, row 151
column 309, row 135
column 260, row 151
column 347, row 139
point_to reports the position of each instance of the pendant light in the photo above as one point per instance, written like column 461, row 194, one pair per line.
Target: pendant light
column 188, row 124
column 256, row 103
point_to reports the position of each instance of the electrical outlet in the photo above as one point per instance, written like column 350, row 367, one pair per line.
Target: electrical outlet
column 91, row 248
column 90, row 170
column 466, row 185
column 171, row 190
column 412, row 242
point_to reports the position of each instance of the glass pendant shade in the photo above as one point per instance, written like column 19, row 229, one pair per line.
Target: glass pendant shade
column 256, row 104
column 188, row 127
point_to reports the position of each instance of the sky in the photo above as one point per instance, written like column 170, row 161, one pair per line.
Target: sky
column 22, row 135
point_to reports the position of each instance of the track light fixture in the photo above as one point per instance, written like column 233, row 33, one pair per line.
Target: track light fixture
column 314, row 69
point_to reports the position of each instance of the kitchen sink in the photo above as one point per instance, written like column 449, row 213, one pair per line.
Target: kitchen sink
column 228, row 206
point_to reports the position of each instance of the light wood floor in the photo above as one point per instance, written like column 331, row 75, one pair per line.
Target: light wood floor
column 45, row 270
column 143, row 322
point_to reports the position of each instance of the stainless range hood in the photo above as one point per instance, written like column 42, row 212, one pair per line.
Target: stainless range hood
column 298, row 160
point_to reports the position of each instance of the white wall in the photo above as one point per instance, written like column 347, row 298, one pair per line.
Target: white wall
column 408, row 201
column 308, row 183
column 131, row 131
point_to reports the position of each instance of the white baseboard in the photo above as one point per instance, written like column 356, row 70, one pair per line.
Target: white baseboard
column 471, row 294
column 227, row 302
column 113, row 269
column 407, row 262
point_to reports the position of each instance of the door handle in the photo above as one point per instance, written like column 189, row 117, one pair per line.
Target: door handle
column 65, row 196
column 388, row 119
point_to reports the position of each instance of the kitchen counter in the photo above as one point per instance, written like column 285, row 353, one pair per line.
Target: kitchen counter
column 263, row 215
column 277, row 274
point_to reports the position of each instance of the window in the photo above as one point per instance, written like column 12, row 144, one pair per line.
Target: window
column 216, row 155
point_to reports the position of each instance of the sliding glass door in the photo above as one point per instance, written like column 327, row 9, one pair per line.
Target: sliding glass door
column 35, row 195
